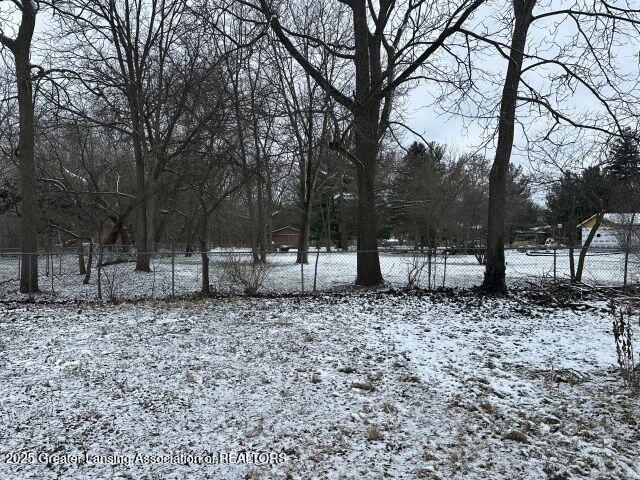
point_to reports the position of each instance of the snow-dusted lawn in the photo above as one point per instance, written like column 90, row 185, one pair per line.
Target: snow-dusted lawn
column 366, row 386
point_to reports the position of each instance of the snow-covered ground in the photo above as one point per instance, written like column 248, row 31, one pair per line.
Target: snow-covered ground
column 360, row 386
column 335, row 270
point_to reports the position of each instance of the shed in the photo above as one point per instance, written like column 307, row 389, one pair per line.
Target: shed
column 285, row 237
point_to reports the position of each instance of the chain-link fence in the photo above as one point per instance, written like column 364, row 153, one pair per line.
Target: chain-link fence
column 109, row 274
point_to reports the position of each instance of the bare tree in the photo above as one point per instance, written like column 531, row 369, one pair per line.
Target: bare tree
column 386, row 48
column 309, row 111
column 139, row 60
column 20, row 47
column 494, row 277
column 583, row 60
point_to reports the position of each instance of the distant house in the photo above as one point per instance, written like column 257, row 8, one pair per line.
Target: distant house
column 614, row 229
column 285, row 237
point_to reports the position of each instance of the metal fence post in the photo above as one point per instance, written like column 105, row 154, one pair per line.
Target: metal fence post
column 302, row 274
column 53, row 290
column 429, row 268
column 99, row 281
column 444, row 269
column 173, row 270
column 30, row 274
column 555, row 250
column 315, row 272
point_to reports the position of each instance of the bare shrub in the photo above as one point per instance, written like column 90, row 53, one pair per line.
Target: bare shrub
column 372, row 433
column 415, row 268
column 250, row 276
column 113, row 280
column 623, row 336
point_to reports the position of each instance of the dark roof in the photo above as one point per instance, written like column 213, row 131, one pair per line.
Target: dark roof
column 284, row 228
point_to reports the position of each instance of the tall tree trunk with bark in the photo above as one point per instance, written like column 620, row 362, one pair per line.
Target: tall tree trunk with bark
column 371, row 103
column 494, row 276
column 29, row 208
column 142, row 210
column 367, row 126
column 307, row 185
column 20, row 47
column 366, row 151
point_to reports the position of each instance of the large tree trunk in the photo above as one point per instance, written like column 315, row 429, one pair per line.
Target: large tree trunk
column 150, row 227
column 366, row 150
column 29, row 210
column 142, row 252
column 366, row 122
column 306, row 194
column 494, row 277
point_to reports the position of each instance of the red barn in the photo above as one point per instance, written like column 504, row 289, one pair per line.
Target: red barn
column 285, row 237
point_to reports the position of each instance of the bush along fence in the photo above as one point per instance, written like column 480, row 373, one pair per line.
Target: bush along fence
column 108, row 273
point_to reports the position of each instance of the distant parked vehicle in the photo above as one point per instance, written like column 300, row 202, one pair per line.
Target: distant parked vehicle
column 391, row 242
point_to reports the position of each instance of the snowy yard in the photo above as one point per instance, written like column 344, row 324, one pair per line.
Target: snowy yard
column 340, row 386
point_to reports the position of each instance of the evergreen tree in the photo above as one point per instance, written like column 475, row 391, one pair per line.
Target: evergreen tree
column 623, row 164
column 577, row 197
column 416, row 191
